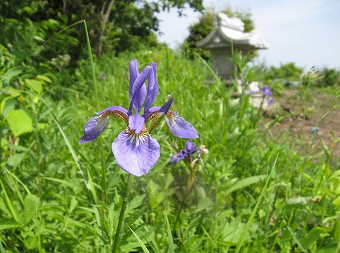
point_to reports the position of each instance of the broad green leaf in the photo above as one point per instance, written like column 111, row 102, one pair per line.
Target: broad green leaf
column 44, row 78
column 233, row 231
column 203, row 204
column 19, row 122
column 135, row 202
column 34, row 85
column 31, row 206
column 13, row 72
column 42, row 125
column 4, row 144
column 245, row 182
column 15, row 159
column 38, row 38
column 26, row 9
column 328, row 250
column 312, row 237
column 7, row 104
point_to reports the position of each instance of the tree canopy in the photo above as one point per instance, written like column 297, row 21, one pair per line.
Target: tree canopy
column 113, row 25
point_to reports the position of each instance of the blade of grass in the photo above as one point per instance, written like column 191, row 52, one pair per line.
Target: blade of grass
column 18, row 180
column 122, row 213
column 102, row 159
column 9, row 203
column 140, row 242
column 1, row 248
column 252, row 216
column 170, row 240
column 67, row 141
column 295, row 239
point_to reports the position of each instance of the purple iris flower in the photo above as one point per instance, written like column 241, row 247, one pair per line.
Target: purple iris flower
column 134, row 149
column 265, row 90
column 267, row 93
column 190, row 148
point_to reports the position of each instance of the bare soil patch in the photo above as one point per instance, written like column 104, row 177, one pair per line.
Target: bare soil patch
column 300, row 116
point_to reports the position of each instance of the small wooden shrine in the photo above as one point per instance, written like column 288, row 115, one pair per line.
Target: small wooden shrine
column 227, row 35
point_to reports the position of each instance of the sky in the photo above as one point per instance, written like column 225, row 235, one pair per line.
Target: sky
column 306, row 32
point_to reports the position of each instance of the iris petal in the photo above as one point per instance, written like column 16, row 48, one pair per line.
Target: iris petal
column 96, row 125
column 156, row 114
column 136, row 123
column 178, row 157
column 180, row 127
column 190, row 147
column 152, row 89
column 133, row 74
column 116, row 111
column 135, row 154
column 138, row 91
column 93, row 128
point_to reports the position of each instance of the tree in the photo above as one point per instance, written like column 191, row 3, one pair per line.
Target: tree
column 288, row 71
column 113, row 25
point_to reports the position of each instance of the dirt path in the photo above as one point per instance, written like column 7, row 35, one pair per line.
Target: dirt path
column 321, row 111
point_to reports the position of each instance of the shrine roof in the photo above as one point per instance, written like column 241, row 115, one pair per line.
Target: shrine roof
column 229, row 31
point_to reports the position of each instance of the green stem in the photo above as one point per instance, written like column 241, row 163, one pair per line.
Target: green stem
column 122, row 212
column 104, row 196
column 188, row 187
column 92, row 65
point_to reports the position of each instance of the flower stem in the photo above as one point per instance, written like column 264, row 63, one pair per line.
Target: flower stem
column 122, row 212
column 188, row 186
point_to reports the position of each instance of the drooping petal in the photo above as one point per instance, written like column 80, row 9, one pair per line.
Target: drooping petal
column 135, row 154
column 180, row 127
column 152, row 89
column 116, row 111
column 93, row 128
column 139, row 90
column 136, row 123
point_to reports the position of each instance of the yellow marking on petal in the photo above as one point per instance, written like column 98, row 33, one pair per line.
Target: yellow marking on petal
column 154, row 118
column 172, row 116
column 117, row 114
column 101, row 119
column 137, row 138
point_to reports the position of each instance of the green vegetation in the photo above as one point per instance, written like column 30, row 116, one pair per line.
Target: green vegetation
column 251, row 193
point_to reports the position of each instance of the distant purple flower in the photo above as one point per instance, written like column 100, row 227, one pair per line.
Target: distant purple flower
column 314, row 130
column 265, row 90
column 190, row 148
column 266, row 93
column 270, row 101
column 134, row 149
